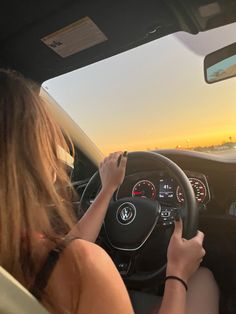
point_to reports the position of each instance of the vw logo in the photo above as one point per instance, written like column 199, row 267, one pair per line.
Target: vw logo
column 126, row 213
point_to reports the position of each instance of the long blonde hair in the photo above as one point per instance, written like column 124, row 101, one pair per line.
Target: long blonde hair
column 30, row 202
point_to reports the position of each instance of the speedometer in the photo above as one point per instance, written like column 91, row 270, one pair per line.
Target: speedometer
column 199, row 190
column 145, row 189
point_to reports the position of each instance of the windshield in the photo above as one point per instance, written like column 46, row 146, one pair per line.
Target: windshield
column 154, row 97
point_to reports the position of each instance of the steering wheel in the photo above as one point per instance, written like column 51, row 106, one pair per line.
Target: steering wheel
column 130, row 221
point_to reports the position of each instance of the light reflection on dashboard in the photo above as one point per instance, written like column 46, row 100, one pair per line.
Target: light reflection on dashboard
column 157, row 185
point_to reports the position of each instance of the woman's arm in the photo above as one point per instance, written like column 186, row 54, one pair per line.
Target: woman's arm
column 184, row 257
column 112, row 175
column 174, row 299
column 90, row 224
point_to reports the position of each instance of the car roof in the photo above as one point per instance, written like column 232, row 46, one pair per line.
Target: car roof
column 107, row 27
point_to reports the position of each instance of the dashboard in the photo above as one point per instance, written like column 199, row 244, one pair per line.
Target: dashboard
column 160, row 186
column 213, row 178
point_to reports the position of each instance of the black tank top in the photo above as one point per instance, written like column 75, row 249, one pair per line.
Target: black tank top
column 46, row 270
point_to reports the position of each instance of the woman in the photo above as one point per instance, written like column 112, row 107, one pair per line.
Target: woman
column 38, row 227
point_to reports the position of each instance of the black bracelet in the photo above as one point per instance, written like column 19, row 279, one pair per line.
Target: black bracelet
column 179, row 279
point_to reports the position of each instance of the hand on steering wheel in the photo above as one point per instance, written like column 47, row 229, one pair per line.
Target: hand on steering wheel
column 184, row 256
column 112, row 171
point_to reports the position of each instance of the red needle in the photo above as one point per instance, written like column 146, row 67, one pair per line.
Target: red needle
column 137, row 193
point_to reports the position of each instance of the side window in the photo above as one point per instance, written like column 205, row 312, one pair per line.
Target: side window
column 83, row 167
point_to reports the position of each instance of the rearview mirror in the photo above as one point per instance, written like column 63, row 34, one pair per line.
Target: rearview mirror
column 221, row 64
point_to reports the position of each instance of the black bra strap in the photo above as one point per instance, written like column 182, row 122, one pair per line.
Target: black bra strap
column 45, row 272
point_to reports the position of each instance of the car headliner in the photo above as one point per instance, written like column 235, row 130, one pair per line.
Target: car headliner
column 126, row 24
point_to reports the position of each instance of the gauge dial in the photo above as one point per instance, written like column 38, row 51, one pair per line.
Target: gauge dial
column 199, row 190
column 145, row 189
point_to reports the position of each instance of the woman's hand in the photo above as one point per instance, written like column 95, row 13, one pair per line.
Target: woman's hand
column 112, row 171
column 184, row 256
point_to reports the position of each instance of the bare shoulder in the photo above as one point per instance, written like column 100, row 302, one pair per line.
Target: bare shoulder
column 86, row 252
column 100, row 280
column 90, row 260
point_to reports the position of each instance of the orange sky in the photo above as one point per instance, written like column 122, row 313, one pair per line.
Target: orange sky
column 152, row 96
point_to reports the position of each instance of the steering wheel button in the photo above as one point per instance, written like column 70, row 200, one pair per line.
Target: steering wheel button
column 123, row 268
column 165, row 214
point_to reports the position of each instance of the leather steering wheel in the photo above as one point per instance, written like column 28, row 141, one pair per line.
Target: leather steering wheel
column 130, row 221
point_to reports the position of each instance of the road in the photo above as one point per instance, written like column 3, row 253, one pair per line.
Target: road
column 230, row 153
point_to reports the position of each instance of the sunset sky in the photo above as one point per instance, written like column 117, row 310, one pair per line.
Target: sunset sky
column 152, row 96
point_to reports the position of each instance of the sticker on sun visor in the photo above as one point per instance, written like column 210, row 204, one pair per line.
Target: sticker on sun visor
column 75, row 37
column 65, row 157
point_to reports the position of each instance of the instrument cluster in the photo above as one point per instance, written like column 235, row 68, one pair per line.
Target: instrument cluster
column 158, row 185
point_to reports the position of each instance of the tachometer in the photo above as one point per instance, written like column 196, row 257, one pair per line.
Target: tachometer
column 199, row 190
column 144, row 188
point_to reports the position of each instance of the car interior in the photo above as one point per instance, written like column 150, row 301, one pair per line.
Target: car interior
column 200, row 187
